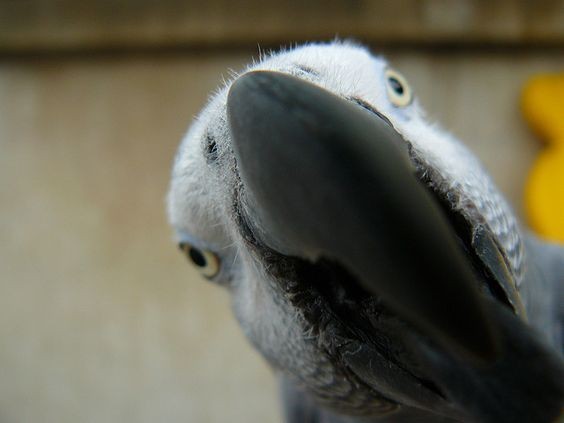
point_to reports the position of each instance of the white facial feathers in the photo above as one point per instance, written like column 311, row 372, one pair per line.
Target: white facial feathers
column 199, row 198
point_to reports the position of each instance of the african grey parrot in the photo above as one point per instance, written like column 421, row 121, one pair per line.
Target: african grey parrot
column 369, row 257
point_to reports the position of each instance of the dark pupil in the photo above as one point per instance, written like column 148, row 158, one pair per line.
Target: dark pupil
column 197, row 257
column 396, row 85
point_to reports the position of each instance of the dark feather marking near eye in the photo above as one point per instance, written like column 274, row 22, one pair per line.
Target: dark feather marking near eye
column 210, row 149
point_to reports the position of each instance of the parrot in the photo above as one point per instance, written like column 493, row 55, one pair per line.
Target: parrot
column 368, row 256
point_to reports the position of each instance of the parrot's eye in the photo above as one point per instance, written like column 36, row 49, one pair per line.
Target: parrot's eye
column 206, row 261
column 398, row 89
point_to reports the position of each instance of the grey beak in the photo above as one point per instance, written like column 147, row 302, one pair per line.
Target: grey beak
column 323, row 177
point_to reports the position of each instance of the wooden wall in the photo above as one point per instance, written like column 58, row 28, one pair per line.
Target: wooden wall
column 95, row 24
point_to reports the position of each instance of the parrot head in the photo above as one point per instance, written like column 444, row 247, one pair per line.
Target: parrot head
column 368, row 256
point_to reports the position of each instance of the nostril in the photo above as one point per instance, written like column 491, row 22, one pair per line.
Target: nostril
column 210, row 149
column 307, row 70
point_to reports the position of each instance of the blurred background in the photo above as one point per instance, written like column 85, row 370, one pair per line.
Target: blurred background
column 101, row 318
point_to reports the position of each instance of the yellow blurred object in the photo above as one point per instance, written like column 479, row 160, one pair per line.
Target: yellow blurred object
column 543, row 108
